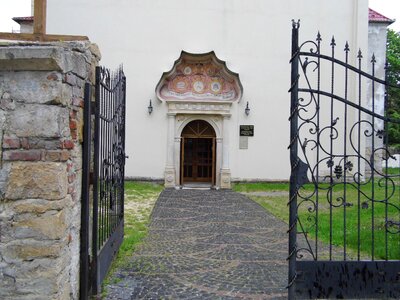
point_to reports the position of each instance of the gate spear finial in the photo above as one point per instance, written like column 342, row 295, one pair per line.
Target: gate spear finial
column 295, row 24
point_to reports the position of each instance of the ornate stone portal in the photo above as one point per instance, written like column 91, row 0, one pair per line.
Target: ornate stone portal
column 198, row 87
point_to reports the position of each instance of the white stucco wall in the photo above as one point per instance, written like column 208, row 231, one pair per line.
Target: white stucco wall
column 377, row 37
column 252, row 36
column 26, row 28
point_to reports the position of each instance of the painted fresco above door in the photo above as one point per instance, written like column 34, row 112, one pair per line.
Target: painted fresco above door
column 197, row 78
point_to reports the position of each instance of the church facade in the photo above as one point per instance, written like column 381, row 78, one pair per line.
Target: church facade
column 207, row 93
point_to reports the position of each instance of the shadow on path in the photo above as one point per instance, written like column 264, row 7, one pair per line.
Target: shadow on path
column 207, row 245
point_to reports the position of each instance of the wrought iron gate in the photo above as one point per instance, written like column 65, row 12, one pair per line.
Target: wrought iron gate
column 107, row 215
column 344, row 224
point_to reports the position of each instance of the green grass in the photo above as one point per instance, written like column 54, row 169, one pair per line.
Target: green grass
column 273, row 200
column 140, row 198
column 260, row 186
column 393, row 171
column 276, row 203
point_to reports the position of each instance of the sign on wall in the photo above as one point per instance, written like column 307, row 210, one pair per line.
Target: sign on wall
column 246, row 130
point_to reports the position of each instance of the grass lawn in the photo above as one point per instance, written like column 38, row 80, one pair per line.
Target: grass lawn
column 274, row 197
column 140, row 198
column 274, row 200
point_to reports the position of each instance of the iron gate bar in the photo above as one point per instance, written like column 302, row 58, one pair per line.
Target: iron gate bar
column 346, row 49
column 343, row 64
column 85, row 214
column 333, row 44
column 294, row 160
column 109, row 170
column 359, row 56
column 341, row 99
column 373, row 162
column 95, row 280
column 346, row 133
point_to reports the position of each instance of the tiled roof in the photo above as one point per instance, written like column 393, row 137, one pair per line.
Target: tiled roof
column 20, row 20
column 375, row 17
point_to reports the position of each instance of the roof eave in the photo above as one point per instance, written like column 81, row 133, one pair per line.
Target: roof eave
column 382, row 21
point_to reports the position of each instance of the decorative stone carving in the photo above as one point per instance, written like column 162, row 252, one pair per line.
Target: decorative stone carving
column 225, row 179
column 169, row 176
column 199, row 108
column 181, row 118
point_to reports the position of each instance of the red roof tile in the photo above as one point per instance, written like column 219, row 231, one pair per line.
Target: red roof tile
column 375, row 17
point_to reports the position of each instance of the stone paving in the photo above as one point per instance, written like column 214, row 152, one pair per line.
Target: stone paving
column 207, row 244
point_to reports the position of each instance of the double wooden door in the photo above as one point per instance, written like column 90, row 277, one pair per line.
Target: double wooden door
column 198, row 159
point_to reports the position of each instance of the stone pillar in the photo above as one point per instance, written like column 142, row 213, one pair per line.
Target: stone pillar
column 41, row 107
column 169, row 168
column 177, row 152
column 225, row 170
column 218, row 162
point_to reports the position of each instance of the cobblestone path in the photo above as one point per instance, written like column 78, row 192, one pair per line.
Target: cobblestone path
column 207, row 245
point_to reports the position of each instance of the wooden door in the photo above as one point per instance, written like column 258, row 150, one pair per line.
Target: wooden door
column 198, row 159
column 198, row 153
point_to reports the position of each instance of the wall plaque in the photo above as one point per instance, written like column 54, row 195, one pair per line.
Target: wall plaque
column 246, row 130
column 243, row 142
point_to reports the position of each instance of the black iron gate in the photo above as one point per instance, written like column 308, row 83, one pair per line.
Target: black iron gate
column 344, row 224
column 103, row 219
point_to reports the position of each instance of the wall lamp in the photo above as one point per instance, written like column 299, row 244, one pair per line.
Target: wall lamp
column 150, row 108
column 247, row 109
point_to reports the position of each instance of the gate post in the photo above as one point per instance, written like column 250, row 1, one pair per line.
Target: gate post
column 293, row 157
column 41, row 121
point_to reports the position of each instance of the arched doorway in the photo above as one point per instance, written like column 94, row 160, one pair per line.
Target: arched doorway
column 198, row 150
column 199, row 87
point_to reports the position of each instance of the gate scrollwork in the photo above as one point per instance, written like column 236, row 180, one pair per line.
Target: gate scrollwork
column 342, row 196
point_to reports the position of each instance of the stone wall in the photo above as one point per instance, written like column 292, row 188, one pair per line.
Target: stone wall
column 41, row 109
